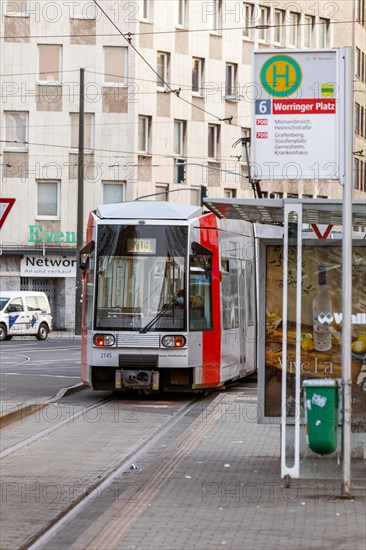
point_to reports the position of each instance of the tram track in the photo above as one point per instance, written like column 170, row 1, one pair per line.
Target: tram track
column 78, row 458
column 94, row 489
column 51, row 429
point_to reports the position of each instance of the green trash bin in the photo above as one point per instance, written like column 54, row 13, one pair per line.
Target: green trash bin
column 321, row 414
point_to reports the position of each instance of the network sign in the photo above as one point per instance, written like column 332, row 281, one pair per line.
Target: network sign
column 296, row 114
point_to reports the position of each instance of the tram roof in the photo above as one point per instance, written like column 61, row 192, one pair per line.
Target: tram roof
column 271, row 211
column 148, row 210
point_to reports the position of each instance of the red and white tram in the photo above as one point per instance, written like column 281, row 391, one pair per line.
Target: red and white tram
column 169, row 299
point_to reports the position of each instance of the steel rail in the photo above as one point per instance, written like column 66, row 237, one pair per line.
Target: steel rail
column 40, row 435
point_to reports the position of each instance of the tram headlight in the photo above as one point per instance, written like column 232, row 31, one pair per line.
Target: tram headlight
column 177, row 341
column 101, row 340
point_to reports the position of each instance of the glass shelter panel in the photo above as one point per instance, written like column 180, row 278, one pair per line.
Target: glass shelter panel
column 321, row 322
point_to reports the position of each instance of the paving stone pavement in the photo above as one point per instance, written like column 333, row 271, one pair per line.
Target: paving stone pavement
column 229, row 493
column 225, row 493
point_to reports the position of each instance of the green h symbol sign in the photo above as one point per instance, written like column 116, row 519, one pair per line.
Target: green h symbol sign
column 279, row 75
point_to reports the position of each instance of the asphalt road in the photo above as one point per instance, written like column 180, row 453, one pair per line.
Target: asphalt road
column 36, row 370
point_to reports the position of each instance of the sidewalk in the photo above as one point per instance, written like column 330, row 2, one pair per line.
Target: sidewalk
column 217, row 484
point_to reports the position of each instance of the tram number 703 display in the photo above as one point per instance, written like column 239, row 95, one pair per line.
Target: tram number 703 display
column 141, row 246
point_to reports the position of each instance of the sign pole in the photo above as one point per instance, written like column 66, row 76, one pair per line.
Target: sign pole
column 346, row 133
column 80, row 205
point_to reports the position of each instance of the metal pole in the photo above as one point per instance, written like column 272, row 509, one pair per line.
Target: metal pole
column 80, row 205
column 347, row 182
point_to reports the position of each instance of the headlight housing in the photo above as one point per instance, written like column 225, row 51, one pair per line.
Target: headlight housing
column 174, row 341
column 102, row 340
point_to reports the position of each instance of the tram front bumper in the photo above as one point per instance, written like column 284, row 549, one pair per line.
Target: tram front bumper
column 137, row 379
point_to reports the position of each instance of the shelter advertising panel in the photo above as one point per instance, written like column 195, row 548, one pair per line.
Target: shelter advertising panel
column 321, row 337
column 296, row 114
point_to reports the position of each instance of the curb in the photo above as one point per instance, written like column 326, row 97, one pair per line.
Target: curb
column 24, row 410
column 21, row 411
column 67, row 391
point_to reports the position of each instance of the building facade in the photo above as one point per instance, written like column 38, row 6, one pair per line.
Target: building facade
column 167, row 92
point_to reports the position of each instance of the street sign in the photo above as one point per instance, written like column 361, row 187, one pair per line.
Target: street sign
column 296, row 115
column 5, row 207
column 318, row 230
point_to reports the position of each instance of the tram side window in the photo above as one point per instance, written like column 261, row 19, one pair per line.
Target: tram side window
column 230, row 294
column 200, row 293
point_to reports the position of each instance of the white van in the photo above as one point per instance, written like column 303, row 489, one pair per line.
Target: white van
column 24, row 313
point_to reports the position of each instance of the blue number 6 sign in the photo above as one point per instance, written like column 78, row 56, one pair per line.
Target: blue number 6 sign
column 262, row 106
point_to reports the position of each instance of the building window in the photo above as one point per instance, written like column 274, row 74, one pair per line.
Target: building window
column 278, row 27
column 182, row 13
column 162, row 192
column 262, row 22
column 179, row 138
column 48, row 199
column 293, row 27
column 162, row 69
column 248, row 21
column 16, row 7
column 213, row 141
column 357, row 118
column 360, row 68
column 323, row 33
column 115, row 64
column 308, row 31
column 231, row 71
column 229, row 193
column 16, row 133
column 358, row 63
column 113, row 192
column 197, row 75
column 212, row 15
column 88, row 130
column 361, row 11
column 358, row 174
column 180, row 170
column 146, row 11
column 144, row 134
column 50, row 62
column 360, row 120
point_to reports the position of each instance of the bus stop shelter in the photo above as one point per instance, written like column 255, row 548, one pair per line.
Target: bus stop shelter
column 299, row 254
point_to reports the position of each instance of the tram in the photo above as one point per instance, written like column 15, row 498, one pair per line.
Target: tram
column 169, row 301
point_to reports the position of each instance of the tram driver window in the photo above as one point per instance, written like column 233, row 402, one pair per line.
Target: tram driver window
column 200, row 301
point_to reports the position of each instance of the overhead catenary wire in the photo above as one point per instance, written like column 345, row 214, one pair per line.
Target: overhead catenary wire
column 73, row 151
column 171, row 90
column 130, row 34
column 127, row 37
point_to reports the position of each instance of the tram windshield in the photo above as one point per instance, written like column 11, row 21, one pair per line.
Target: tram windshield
column 140, row 272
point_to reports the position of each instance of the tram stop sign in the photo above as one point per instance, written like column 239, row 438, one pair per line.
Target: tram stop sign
column 296, row 114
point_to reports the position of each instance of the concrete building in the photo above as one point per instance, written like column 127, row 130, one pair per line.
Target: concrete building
column 174, row 89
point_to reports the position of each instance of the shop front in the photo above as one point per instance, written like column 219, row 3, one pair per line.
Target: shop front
column 48, row 269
